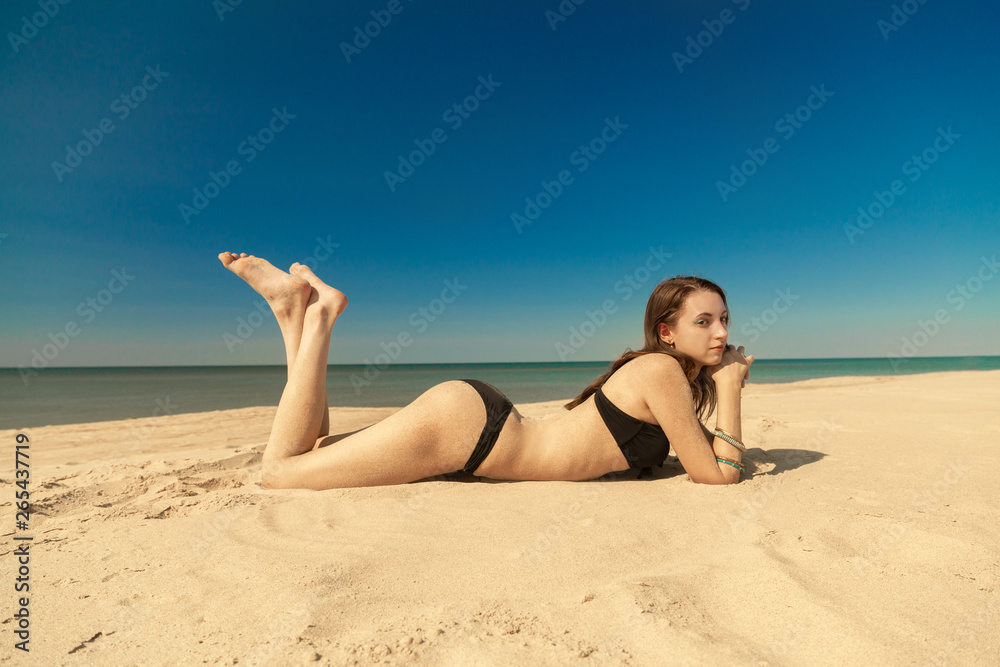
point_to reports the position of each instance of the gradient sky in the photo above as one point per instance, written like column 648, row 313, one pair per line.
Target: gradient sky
column 893, row 93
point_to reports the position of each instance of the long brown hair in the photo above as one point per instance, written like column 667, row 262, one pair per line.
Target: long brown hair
column 665, row 305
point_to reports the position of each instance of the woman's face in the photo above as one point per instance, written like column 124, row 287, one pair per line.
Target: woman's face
column 702, row 329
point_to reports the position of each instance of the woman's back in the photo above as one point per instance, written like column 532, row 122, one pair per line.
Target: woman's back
column 577, row 444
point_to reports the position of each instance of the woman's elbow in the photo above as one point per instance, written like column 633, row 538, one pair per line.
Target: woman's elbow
column 722, row 478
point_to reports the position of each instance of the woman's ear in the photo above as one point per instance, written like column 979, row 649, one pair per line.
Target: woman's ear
column 663, row 332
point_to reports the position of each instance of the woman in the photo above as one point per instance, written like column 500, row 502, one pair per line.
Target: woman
column 628, row 418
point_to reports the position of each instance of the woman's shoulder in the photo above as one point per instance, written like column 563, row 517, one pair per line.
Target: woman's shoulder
column 647, row 370
column 654, row 373
column 654, row 363
column 650, row 375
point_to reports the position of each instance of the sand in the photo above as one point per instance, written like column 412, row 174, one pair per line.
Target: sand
column 865, row 531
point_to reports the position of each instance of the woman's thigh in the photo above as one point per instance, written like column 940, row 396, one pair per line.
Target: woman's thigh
column 434, row 434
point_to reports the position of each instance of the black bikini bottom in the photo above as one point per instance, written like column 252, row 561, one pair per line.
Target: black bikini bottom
column 497, row 408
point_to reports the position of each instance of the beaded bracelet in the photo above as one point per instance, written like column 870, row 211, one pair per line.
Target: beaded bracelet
column 730, row 439
column 729, row 434
column 728, row 462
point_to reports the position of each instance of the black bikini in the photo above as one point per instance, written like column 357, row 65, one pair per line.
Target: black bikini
column 497, row 408
column 643, row 444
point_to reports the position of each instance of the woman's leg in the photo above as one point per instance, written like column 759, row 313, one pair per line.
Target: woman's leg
column 292, row 341
column 303, row 402
column 433, row 435
column 287, row 295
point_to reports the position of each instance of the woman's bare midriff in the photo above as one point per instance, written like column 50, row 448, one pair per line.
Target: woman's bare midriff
column 571, row 445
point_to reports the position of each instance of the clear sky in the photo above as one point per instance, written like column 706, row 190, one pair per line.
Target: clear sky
column 145, row 138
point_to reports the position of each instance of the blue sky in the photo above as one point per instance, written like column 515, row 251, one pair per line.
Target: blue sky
column 201, row 91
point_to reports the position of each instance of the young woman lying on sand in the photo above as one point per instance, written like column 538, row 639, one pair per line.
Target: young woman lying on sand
column 626, row 419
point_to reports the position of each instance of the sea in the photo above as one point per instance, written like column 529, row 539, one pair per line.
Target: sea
column 81, row 395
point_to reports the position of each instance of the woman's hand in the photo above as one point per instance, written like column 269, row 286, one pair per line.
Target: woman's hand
column 733, row 368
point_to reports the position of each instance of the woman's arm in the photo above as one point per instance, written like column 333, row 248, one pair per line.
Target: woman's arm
column 672, row 404
column 728, row 419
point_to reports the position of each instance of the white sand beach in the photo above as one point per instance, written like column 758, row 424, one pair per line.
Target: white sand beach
column 865, row 531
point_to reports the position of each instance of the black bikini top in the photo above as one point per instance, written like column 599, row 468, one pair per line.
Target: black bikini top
column 642, row 443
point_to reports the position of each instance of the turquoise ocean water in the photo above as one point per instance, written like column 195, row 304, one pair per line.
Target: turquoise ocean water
column 80, row 395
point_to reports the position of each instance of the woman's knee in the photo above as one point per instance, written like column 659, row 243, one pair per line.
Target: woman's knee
column 272, row 473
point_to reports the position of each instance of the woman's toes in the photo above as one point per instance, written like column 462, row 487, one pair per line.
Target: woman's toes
column 226, row 258
column 304, row 271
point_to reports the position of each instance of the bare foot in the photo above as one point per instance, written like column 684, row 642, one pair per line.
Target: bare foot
column 286, row 294
column 332, row 300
